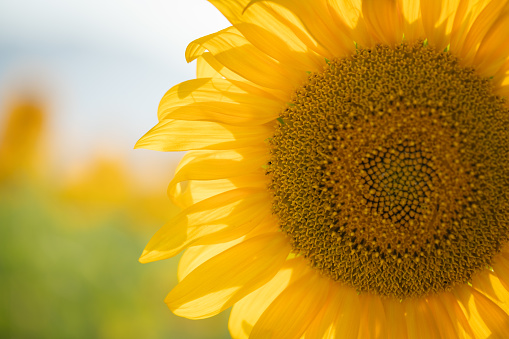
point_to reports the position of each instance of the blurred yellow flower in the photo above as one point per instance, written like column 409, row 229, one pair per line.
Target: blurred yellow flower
column 20, row 139
column 348, row 170
column 104, row 186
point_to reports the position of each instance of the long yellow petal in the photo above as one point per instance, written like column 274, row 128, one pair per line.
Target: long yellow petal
column 202, row 174
column 274, row 30
column 263, row 222
column 438, row 20
column 373, row 322
column 288, row 316
column 323, row 326
column 332, row 35
column 490, row 285
column 412, row 20
column 501, row 268
column 235, row 52
column 456, row 314
column 349, row 12
column 484, row 316
column 493, row 51
column 395, row 316
column 447, row 327
column 348, row 313
column 190, row 192
column 233, row 213
column 247, row 311
column 228, row 113
column 218, row 67
column 501, row 81
column 420, row 322
column 204, row 69
column 210, row 165
column 384, row 20
column 196, row 255
column 341, row 316
column 234, row 79
column 220, row 100
column 476, row 19
column 181, row 135
column 229, row 276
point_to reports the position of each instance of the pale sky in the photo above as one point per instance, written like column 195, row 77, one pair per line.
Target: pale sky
column 105, row 63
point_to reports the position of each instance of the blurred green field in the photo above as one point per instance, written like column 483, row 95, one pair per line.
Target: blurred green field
column 69, row 251
column 72, row 281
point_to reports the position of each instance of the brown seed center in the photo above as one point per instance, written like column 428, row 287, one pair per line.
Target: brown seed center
column 390, row 171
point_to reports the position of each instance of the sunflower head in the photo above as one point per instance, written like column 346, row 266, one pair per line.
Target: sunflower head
column 379, row 170
column 348, row 170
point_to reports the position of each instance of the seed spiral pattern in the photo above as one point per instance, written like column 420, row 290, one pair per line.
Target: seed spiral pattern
column 390, row 171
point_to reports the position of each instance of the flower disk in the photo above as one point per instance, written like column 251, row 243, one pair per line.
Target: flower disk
column 390, row 171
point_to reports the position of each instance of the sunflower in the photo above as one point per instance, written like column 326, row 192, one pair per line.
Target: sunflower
column 347, row 173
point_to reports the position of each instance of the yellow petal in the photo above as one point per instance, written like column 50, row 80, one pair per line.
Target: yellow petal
column 247, row 311
column 373, row 322
column 204, row 69
column 493, row 51
column 501, row 268
column 350, row 13
column 456, row 314
column 219, row 100
column 210, row 165
column 503, row 91
column 202, row 174
column 288, row 316
column 420, row 322
column 501, row 81
column 241, row 114
column 484, row 316
column 181, row 135
column 273, row 30
column 263, row 222
column 395, row 316
column 226, row 278
column 333, row 37
column 476, row 19
column 490, row 285
column 196, row 255
column 240, row 82
column 323, row 326
column 234, row 212
column 438, row 19
column 223, row 72
column 187, row 193
column 412, row 20
column 384, row 20
column 340, row 316
column 447, row 327
column 235, row 52
column 349, row 312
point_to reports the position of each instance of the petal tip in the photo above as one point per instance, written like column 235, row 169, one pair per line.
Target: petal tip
column 146, row 257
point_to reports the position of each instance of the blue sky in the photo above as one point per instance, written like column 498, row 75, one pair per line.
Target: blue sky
column 105, row 64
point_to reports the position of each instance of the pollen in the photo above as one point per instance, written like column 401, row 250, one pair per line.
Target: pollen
column 391, row 171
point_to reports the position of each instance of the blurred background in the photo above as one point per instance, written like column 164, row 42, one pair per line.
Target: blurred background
column 80, row 82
